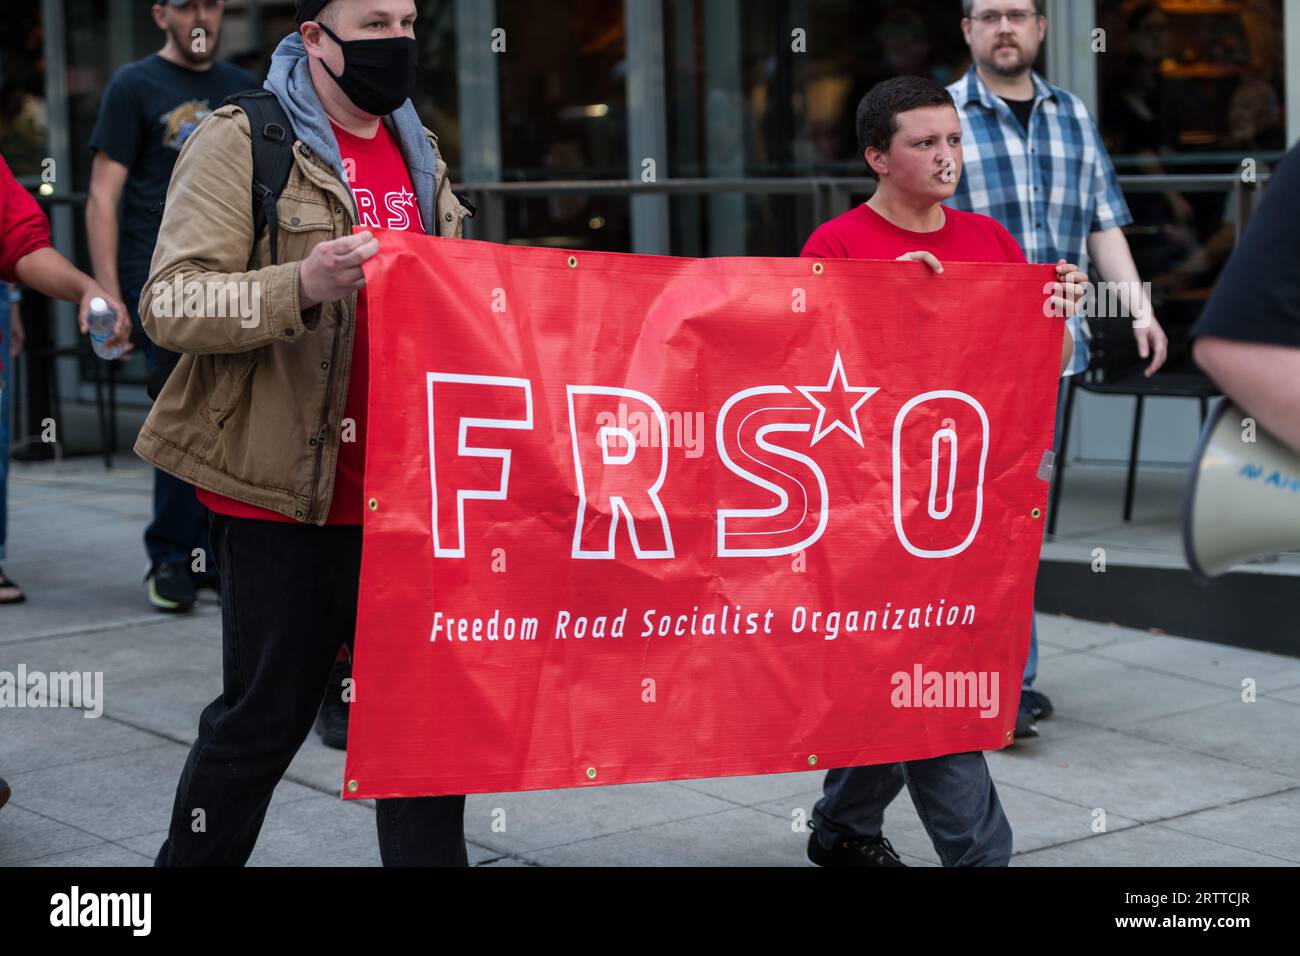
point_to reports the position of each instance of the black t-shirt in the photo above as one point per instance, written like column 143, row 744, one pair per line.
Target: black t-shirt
column 149, row 109
column 1257, row 297
column 1021, row 110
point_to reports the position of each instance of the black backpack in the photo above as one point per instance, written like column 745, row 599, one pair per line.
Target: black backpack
column 272, row 158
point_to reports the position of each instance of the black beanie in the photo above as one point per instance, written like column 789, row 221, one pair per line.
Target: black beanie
column 305, row 10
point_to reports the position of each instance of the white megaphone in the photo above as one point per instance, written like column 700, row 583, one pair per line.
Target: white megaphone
column 1243, row 501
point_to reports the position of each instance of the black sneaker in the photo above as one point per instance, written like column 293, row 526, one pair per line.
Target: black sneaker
column 170, row 587
column 1039, row 705
column 5, row 792
column 1025, row 722
column 860, row 852
column 332, row 721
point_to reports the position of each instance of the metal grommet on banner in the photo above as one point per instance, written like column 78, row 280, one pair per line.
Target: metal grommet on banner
column 573, row 262
column 1036, row 513
column 353, row 786
column 1008, row 736
column 812, row 760
column 818, row 268
column 591, row 773
column 373, row 504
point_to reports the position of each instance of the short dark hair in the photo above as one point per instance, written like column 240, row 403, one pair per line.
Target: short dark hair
column 968, row 7
column 879, row 109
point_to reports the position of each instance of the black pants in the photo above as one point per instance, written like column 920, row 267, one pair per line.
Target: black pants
column 288, row 600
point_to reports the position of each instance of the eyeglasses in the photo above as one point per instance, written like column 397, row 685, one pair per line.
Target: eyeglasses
column 1017, row 18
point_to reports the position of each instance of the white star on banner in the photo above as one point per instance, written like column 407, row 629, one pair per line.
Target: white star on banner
column 839, row 393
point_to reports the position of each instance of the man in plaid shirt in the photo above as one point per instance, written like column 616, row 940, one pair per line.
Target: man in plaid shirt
column 1035, row 162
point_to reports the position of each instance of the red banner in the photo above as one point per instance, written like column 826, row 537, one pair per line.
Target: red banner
column 635, row 518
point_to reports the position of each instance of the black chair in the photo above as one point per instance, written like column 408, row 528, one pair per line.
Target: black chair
column 1116, row 369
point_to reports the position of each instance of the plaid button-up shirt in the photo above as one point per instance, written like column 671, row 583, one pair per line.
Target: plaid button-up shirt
column 1051, row 186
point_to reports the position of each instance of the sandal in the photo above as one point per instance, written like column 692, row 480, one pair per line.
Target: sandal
column 10, row 593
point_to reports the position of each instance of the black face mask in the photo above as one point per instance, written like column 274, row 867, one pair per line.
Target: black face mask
column 378, row 75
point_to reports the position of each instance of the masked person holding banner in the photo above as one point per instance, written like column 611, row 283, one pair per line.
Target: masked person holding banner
column 911, row 137
column 266, row 410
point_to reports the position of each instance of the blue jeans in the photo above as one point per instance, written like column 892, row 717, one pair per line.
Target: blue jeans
column 6, row 386
column 954, row 796
column 179, row 526
column 180, row 522
column 1031, row 663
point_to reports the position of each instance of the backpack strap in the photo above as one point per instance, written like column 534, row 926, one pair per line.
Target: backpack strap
column 470, row 206
column 272, row 158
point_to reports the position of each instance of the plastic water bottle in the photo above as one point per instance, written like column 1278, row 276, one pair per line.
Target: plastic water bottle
column 102, row 320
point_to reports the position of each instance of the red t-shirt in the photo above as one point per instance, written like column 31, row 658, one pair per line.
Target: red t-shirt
column 385, row 200
column 863, row 233
column 23, row 228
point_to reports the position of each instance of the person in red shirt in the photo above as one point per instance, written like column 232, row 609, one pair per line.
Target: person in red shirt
column 26, row 256
column 910, row 135
column 905, row 219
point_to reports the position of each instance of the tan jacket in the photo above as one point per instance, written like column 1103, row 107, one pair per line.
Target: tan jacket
column 253, row 410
